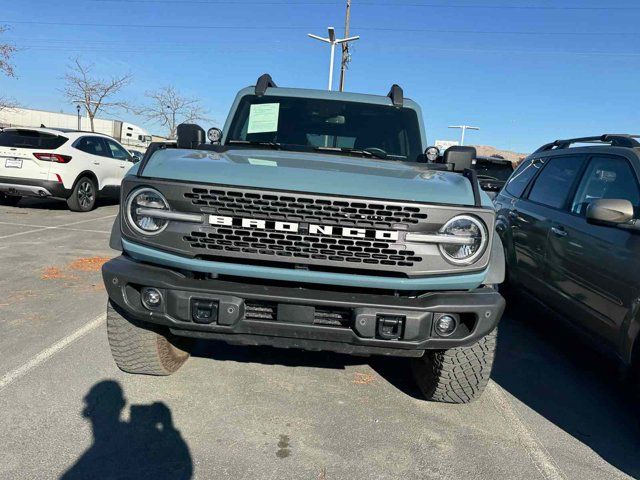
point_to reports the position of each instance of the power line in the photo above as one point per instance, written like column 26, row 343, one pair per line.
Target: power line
column 292, row 27
column 74, row 47
column 381, row 4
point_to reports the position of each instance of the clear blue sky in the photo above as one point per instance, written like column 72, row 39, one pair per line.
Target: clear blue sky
column 525, row 71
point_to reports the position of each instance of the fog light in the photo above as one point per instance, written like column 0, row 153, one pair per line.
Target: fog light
column 445, row 325
column 151, row 298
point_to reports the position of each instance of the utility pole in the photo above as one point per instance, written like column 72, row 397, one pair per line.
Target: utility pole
column 345, row 47
column 333, row 41
column 464, row 128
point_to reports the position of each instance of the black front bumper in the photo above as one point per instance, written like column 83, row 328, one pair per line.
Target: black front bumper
column 31, row 187
column 306, row 318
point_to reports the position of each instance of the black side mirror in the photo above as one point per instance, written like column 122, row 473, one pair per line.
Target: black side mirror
column 460, row 157
column 610, row 211
column 190, row 135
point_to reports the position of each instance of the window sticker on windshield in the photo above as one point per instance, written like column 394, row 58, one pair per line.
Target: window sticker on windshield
column 263, row 118
column 260, row 161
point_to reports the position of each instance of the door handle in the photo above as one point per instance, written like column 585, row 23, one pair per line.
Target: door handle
column 122, row 166
column 96, row 163
column 559, row 231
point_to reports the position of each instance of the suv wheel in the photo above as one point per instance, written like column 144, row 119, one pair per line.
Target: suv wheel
column 84, row 195
column 456, row 375
column 9, row 200
column 136, row 349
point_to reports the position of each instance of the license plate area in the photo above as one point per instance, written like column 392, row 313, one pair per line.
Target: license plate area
column 13, row 163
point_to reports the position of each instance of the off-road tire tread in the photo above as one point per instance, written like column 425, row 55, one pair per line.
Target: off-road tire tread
column 141, row 350
column 456, row 375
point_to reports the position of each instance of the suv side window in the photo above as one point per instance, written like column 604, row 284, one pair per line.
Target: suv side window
column 117, row 151
column 552, row 186
column 522, row 176
column 92, row 146
column 606, row 177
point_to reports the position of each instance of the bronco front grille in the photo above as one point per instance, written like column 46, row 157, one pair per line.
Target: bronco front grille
column 275, row 244
column 292, row 207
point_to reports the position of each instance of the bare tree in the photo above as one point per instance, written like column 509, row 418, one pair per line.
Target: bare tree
column 6, row 52
column 93, row 94
column 169, row 108
column 6, row 67
column 8, row 104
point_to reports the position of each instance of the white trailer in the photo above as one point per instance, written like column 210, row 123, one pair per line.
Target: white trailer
column 128, row 134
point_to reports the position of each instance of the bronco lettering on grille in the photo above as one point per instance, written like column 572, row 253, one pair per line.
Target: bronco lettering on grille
column 314, row 229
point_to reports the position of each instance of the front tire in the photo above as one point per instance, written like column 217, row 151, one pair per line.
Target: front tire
column 84, row 195
column 456, row 375
column 140, row 350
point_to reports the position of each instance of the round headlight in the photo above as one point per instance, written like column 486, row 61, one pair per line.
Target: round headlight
column 473, row 240
column 141, row 206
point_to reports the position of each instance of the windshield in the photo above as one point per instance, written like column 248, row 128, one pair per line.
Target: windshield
column 311, row 123
column 493, row 170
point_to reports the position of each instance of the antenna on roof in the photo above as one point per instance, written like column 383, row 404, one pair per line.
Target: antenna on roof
column 396, row 95
column 265, row 81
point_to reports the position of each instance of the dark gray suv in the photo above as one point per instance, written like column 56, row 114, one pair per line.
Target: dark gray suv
column 568, row 221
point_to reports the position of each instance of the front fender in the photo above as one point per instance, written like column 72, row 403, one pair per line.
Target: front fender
column 496, row 272
column 115, row 240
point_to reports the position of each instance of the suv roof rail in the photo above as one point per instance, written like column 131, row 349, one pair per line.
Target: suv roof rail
column 614, row 139
column 396, row 95
column 265, row 81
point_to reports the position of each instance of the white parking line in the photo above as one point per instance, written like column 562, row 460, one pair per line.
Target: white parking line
column 47, row 227
column 57, row 226
column 541, row 458
column 47, row 353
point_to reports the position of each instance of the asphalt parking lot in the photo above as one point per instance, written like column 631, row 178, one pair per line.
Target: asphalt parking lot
column 554, row 409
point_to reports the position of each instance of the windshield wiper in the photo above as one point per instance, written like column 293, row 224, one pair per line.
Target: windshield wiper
column 367, row 152
column 274, row 145
column 488, row 177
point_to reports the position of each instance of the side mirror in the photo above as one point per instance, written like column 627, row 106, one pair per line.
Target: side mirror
column 133, row 159
column 610, row 211
column 460, row 157
column 190, row 135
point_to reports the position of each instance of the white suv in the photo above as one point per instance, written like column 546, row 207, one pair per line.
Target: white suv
column 71, row 165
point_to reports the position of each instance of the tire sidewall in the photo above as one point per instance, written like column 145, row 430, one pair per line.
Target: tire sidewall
column 78, row 200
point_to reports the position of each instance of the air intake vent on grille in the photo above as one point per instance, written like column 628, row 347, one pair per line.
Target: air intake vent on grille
column 294, row 208
column 334, row 317
column 260, row 311
column 278, row 244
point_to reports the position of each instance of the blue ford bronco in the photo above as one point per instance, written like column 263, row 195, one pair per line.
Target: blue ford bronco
column 311, row 221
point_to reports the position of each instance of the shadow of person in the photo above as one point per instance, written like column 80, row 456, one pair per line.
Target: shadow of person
column 146, row 446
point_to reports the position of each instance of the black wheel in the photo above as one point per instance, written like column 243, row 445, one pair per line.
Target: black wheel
column 9, row 200
column 84, row 195
column 141, row 350
column 456, row 375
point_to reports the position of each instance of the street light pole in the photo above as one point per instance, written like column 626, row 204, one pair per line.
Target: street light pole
column 79, row 123
column 463, row 128
column 332, row 41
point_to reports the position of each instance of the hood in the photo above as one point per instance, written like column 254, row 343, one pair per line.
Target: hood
column 313, row 173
